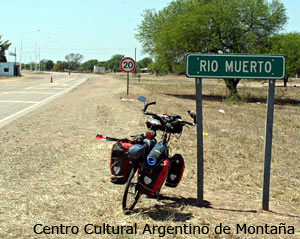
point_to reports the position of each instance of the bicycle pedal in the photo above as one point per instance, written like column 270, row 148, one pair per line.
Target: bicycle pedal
column 152, row 196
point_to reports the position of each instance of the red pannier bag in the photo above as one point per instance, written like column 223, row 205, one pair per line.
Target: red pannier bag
column 120, row 165
column 176, row 171
column 152, row 179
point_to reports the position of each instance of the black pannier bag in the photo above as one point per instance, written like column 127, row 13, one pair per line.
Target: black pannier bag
column 154, row 171
column 120, row 165
column 152, row 179
column 176, row 171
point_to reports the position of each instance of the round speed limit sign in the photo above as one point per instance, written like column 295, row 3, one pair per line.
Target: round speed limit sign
column 127, row 64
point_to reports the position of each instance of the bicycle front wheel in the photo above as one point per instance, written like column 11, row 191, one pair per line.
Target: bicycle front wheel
column 131, row 193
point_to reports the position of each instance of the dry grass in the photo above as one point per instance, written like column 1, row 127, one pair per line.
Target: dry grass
column 235, row 145
column 54, row 172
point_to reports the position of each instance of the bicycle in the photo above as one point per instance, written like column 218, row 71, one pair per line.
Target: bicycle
column 168, row 124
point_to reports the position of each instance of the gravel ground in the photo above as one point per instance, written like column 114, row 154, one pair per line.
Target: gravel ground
column 53, row 171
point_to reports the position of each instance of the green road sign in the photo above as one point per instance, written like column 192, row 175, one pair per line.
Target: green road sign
column 235, row 66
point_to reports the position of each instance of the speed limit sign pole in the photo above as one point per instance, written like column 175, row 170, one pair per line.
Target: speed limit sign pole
column 127, row 65
column 127, row 83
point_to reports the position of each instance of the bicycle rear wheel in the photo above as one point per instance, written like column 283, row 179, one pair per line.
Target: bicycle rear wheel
column 131, row 193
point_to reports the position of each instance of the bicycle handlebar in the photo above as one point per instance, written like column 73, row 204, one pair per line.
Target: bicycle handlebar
column 186, row 122
column 148, row 113
column 162, row 117
column 148, row 104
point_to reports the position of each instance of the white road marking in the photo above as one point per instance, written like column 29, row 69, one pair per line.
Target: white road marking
column 14, row 85
column 45, row 84
column 40, row 102
column 49, row 88
column 27, row 92
column 17, row 101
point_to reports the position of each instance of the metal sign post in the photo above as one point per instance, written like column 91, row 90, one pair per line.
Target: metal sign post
column 221, row 66
column 127, row 83
column 200, row 157
column 268, row 146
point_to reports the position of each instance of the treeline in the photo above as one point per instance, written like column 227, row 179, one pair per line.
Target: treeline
column 217, row 26
column 73, row 63
column 4, row 45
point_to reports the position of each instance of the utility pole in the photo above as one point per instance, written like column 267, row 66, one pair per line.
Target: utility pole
column 35, row 58
column 135, row 61
column 21, row 49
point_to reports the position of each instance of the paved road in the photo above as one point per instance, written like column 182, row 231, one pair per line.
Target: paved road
column 18, row 97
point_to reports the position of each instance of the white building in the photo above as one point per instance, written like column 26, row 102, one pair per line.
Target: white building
column 99, row 70
column 9, row 69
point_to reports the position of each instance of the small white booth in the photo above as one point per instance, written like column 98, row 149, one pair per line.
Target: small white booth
column 9, row 69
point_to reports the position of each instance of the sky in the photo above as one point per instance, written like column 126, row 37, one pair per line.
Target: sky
column 97, row 29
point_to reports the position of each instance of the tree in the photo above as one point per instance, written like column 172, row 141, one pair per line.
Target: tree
column 288, row 45
column 74, row 60
column 114, row 62
column 144, row 63
column 3, row 47
column 46, row 65
column 88, row 65
column 27, row 66
column 209, row 26
column 102, row 63
column 61, row 66
column 49, row 65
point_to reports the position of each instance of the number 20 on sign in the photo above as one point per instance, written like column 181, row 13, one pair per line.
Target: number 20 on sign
column 127, row 64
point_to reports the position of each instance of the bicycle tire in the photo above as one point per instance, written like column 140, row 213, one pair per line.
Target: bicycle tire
column 131, row 193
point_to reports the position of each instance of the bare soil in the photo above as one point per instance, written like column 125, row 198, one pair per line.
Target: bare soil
column 53, row 171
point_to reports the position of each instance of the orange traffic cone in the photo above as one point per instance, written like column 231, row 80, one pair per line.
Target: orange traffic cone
column 51, row 81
